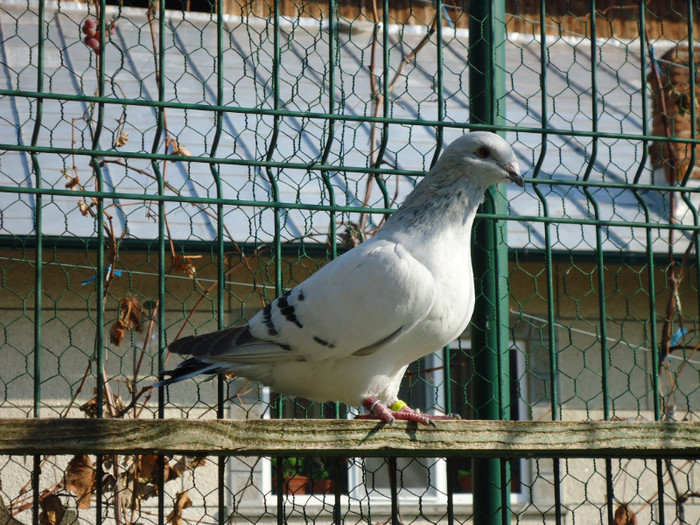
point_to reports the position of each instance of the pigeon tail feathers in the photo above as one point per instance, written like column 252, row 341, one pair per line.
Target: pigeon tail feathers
column 211, row 344
column 185, row 370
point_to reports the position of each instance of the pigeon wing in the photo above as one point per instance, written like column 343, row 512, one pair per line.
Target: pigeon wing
column 364, row 299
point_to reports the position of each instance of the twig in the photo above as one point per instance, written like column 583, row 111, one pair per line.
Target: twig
column 145, row 173
column 17, row 508
column 204, row 295
column 378, row 99
column 79, row 390
column 132, row 403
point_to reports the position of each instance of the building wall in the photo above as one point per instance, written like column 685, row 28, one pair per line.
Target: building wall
column 68, row 330
column 577, row 310
column 68, row 322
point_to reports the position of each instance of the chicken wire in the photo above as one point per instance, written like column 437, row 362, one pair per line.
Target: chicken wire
column 191, row 162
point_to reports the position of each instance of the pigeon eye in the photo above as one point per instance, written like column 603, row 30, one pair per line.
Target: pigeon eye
column 483, row 152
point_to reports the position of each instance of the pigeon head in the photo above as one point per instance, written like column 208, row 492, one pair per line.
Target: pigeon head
column 486, row 155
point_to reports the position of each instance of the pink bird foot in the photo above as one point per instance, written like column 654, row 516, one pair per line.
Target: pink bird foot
column 399, row 410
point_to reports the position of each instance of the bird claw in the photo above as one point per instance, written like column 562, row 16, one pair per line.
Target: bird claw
column 400, row 411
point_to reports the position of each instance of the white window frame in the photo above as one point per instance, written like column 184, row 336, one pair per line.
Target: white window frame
column 438, row 469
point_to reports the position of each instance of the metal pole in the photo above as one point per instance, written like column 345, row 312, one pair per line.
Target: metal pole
column 490, row 337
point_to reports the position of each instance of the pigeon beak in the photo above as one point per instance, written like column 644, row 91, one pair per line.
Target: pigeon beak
column 513, row 171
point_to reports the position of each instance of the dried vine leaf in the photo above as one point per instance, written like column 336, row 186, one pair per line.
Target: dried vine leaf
column 135, row 485
column 352, row 235
column 148, row 473
column 625, row 516
column 90, row 407
column 122, row 139
column 145, row 471
column 131, row 312
column 116, row 332
column 81, row 479
column 179, row 149
column 140, row 478
column 84, row 208
column 52, row 510
column 184, row 264
column 182, row 501
column 188, row 463
column 130, row 317
column 73, row 182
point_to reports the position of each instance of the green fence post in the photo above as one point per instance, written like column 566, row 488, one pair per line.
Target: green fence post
column 490, row 258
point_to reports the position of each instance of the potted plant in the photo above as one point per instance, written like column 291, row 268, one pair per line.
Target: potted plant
column 320, row 478
column 464, row 480
column 295, row 482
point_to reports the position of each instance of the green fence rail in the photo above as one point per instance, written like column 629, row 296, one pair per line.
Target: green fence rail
column 170, row 168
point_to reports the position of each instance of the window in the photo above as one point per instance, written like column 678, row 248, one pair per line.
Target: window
column 421, row 479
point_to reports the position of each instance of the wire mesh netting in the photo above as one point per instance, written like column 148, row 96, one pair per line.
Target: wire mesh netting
column 169, row 169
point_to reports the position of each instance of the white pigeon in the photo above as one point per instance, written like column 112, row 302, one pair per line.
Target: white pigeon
column 350, row 330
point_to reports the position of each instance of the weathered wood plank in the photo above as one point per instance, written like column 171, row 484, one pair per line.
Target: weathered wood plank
column 350, row 438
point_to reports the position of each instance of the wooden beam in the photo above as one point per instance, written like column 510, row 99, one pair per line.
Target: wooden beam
column 350, row 438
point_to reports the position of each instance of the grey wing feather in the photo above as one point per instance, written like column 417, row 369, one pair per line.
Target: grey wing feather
column 234, row 344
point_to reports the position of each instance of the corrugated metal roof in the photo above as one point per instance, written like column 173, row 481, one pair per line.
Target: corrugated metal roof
column 191, row 81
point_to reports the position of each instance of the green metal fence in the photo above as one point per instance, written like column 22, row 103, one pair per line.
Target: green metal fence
column 169, row 169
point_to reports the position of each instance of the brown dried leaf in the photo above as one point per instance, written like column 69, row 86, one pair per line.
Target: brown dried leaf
column 170, row 473
column 80, row 478
column 197, row 461
column 147, row 469
column 52, row 510
column 90, row 407
column 131, row 313
column 116, row 332
column 133, row 493
column 188, row 463
column 117, row 400
column 84, row 208
column 182, row 501
column 122, row 139
column 73, row 182
column 624, row 515
column 140, row 480
column 184, row 264
column 179, row 149
column 134, row 489
column 352, row 235
column 130, row 317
